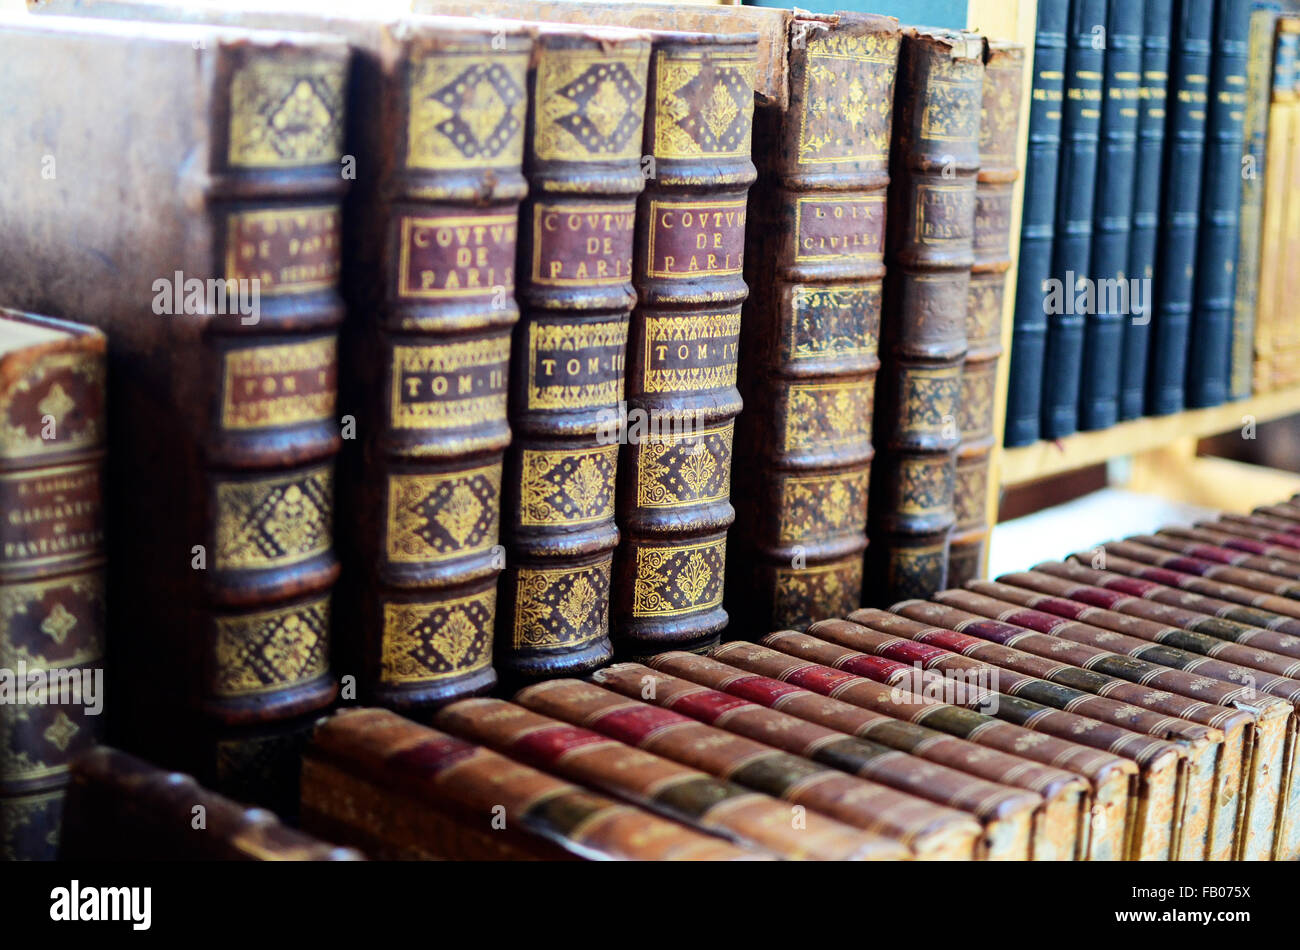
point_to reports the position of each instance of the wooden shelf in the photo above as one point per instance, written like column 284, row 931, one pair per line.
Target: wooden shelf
column 1043, row 459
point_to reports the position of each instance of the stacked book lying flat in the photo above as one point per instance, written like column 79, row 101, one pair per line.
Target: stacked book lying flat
column 1136, row 701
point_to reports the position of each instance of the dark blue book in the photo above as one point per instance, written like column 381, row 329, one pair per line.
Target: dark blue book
column 1068, row 300
column 1038, row 225
column 1209, row 346
column 1112, row 217
column 1152, row 114
column 1189, row 83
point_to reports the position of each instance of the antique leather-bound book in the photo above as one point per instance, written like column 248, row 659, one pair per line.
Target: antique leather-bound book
column 1286, row 337
column 430, row 233
column 1259, row 74
column 1038, row 225
column 582, row 159
column 1070, row 329
column 1213, row 551
column 1189, row 69
column 1004, row 77
column 52, row 441
column 1259, row 581
column 1004, row 815
column 215, row 278
column 399, row 790
column 1113, row 779
column 884, row 818
column 929, row 255
column 814, row 265
column 1157, row 27
column 674, row 467
column 1210, row 345
column 1060, row 823
column 1214, row 762
column 684, row 794
column 1156, row 822
column 1112, row 217
column 1281, row 129
column 122, row 807
column 1270, row 782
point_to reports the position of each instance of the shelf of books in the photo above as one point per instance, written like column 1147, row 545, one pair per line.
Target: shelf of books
column 579, row 432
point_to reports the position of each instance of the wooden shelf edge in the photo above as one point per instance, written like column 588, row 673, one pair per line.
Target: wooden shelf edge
column 1044, row 459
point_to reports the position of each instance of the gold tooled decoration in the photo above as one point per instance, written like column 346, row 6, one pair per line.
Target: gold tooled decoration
column 265, row 651
column 286, row 114
column 274, row 522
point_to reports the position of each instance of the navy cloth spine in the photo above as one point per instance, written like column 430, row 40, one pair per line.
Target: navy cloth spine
column 1112, row 217
column 1038, row 225
column 1072, row 249
column 1156, row 29
column 1180, row 208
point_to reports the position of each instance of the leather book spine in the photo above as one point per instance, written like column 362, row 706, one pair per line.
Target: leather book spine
column 432, row 281
column 1281, row 129
column 401, row 790
column 815, row 264
column 952, row 816
column 1159, row 643
column 674, row 470
column 1247, row 538
column 1180, row 208
column 1259, row 59
column 1112, row 217
column 274, row 198
column 119, row 805
column 1213, row 551
column 1004, row 72
column 1067, row 797
column 582, row 158
column 1072, row 248
column 1210, row 345
column 1286, row 338
column 1113, row 778
column 1038, row 225
column 854, row 805
column 1157, row 28
column 1263, row 752
column 650, row 781
column 52, row 444
column 929, row 255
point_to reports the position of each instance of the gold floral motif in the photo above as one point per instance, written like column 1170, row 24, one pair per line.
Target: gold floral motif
column 285, row 113
column 704, row 104
column 58, row 624
column 925, row 485
column 929, row 399
column 817, row 505
column 678, row 580
column 568, row 486
column 273, row 522
column 429, row 641
column 436, row 517
column 60, row 732
column 256, row 653
column 590, row 104
column 561, row 608
column 22, row 435
column 833, row 322
column 847, row 98
column 952, row 110
column 466, row 110
column 85, row 592
column 975, row 413
column 680, row 469
column 828, row 415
